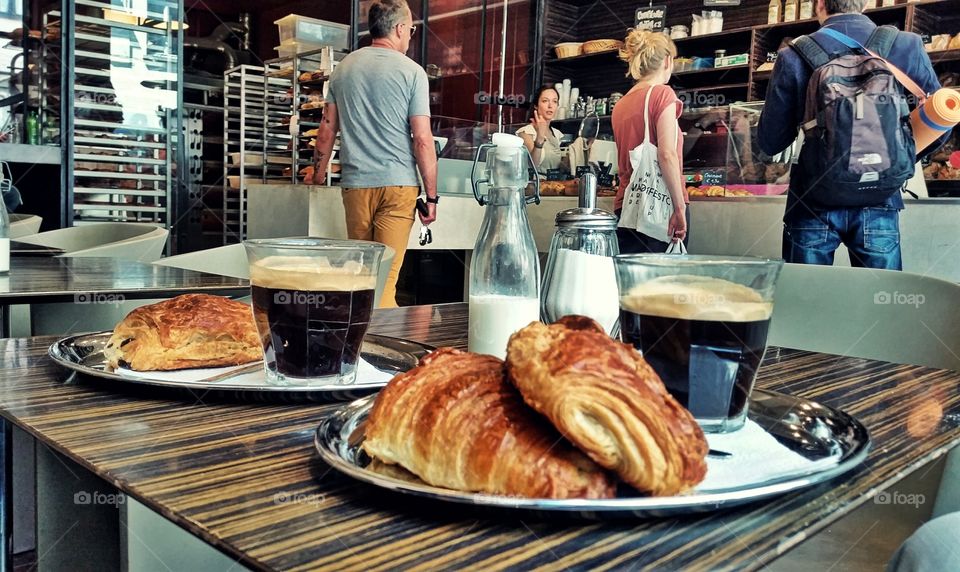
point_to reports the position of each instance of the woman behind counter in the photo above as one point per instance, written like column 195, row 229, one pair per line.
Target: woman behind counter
column 649, row 56
column 543, row 141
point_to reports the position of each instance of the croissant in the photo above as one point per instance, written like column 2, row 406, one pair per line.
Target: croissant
column 609, row 402
column 193, row 330
column 456, row 423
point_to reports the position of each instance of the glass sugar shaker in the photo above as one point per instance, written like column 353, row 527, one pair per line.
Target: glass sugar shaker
column 579, row 277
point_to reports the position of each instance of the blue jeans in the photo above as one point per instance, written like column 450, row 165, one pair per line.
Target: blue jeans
column 871, row 235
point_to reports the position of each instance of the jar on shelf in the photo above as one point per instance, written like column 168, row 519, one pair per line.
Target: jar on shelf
column 679, row 31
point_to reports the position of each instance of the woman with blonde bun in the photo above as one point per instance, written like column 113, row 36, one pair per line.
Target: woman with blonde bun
column 649, row 57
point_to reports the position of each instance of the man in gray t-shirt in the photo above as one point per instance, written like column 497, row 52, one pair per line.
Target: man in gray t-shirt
column 379, row 100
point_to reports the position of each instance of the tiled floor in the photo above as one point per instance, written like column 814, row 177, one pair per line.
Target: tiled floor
column 868, row 537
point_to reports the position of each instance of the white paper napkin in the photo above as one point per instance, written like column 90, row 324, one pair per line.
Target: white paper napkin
column 755, row 456
column 367, row 374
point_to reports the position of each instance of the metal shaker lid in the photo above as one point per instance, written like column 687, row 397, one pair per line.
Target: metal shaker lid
column 597, row 219
column 587, row 215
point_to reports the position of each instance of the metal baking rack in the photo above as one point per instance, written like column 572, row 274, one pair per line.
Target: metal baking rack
column 124, row 109
column 249, row 154
column 309, row 73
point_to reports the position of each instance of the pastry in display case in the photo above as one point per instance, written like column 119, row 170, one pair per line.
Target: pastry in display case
column 750, row 171
column 722, row 157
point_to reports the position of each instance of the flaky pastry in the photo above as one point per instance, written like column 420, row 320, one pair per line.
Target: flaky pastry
column 605, row 398
column 456, row 423
column 194, row 330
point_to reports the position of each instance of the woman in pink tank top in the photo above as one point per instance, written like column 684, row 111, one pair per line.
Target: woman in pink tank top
column 649, row 56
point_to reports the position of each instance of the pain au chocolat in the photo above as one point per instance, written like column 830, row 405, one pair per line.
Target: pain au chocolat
column 456, row 423
column 194, row 330
column 609, row 402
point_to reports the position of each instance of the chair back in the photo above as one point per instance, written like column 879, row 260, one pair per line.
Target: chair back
column 129, row 241
column 230, row 260
column 876, row 314
column 24, row 225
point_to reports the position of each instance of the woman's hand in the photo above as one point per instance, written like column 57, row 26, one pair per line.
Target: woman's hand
column 677, row 228
column 541, row 125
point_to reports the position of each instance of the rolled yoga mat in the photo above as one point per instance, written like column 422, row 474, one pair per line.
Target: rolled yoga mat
column 939, row 114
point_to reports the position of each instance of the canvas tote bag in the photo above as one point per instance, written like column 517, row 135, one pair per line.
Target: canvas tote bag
column 647, row 204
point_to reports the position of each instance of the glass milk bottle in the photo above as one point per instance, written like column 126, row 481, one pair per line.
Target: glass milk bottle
column 505, row 270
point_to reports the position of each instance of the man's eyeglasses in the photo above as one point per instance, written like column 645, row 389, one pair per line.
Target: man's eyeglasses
column 413, row 30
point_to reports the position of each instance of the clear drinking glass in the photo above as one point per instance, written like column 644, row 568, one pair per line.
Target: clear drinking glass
column 701, row 322
column 312, row 302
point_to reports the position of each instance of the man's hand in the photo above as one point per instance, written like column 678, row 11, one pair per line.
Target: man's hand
column 431, row 214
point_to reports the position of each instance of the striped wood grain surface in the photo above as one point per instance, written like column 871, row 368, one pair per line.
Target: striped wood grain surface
column 245, row 477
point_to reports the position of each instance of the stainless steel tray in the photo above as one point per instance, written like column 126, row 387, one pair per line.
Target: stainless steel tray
column 820, row 443
column 83, row 354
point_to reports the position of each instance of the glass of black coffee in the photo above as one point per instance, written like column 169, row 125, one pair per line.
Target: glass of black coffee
column 701, row 322
column 312, row 302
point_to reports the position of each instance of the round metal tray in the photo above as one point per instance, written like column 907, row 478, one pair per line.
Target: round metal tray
column 83, row 354
column 832, row 441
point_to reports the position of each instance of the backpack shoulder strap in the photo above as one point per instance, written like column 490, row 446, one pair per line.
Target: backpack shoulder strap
column 810, row 51
column 881, row 40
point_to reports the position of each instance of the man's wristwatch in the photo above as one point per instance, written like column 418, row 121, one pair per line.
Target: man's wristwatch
column 540, row 144
column 434, row 200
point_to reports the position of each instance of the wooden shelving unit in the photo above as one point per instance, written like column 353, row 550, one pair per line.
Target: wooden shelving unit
column 600, row 74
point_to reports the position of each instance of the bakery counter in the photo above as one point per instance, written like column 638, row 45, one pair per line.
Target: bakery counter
column 930, row 235
column 731, row 226
column 293, row 210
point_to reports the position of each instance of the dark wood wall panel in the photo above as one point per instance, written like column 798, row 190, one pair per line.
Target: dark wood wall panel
column 561, row 24
column 611, row 18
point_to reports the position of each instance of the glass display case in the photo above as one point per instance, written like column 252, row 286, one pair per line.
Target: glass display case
column 722, row 157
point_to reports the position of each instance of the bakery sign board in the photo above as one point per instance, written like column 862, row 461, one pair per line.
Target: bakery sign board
column 652, row 17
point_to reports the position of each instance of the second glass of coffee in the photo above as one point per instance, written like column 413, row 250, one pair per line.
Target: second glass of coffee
column 312, row 302
column 701, row 322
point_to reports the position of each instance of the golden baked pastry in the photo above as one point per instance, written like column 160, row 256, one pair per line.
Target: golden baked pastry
column 455, row 422
column 194, row 330
column 604, row 398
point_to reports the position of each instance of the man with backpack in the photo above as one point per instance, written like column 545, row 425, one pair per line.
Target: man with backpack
column 850, row 87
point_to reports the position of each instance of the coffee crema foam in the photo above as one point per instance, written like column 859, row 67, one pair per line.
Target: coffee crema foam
column 310, row 274
column 702, row 298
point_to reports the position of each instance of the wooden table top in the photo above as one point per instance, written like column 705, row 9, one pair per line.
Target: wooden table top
column 38, row 279
column 245, row 477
